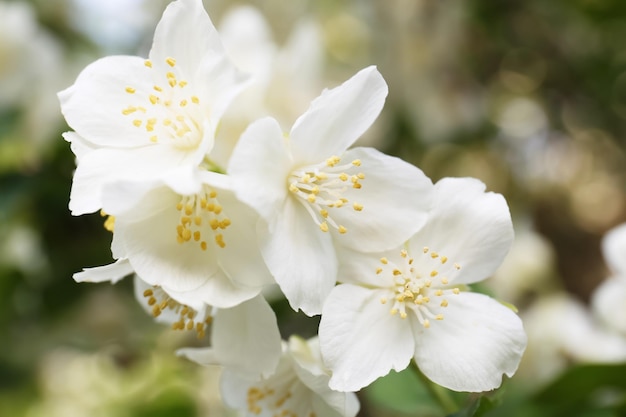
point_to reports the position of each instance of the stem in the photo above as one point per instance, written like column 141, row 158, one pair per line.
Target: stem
column 437, row 392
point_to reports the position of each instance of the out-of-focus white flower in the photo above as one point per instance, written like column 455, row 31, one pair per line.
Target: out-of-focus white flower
column 561, row 330
column 30, row 73
column 411, row 302
column 312, row 192
column 299, row 387
column 284, row 79
column 141, row 118
column 609, row 299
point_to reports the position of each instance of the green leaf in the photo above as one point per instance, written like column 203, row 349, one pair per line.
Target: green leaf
column 477, row 408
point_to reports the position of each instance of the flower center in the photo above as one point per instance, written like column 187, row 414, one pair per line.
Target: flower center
column 168, row 113
column 321, row 188
column 282, row 394
column 187, row 317
column 421, row 285
column 201, row 213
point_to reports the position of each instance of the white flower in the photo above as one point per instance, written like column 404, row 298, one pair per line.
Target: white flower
column 609, row 299
column 411, row 302
column 141, row 118
column 299, row 387
column 185, row 234
column 312, row 192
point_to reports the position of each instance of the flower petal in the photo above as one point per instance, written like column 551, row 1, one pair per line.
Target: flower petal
column 186, row 33
column 260, row 165
column 300, row 256
column 614, row 249
column 477, row 341
column 112, row 272
column 93, row 105
column 103, row 166
column 470, row 227
column 360, row 340
column 246, row 338
column 396, row 198
column 338, row 117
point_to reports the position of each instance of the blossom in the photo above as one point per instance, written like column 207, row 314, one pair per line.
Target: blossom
column 141, row 118
column 187, row 233
column 312, row 193
column 299, row 387
column 609, row 299
column 411, row 302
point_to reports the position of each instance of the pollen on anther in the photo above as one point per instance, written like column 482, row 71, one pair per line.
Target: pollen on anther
column 404, row 253
column 130, row 90
column 324, row 227
column 426, row 324
column 434, row 273
column 457, row 266
column 426, row 249
column 342, row 229
column 456, row 291
column 356, row 162
column 439, row 317
column 384, row 261
column 357, row 207
column 444, row 303
column 170, row 61
column 378, row 271
column 444, row 259
column 383, row 300
column 397, row 272
column 148, row 63
column 444, row 281
column 434, row 255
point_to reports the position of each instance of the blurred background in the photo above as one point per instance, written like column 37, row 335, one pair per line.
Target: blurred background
column 528, row 96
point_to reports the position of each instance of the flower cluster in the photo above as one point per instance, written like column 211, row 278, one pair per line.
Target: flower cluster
column 302, row 209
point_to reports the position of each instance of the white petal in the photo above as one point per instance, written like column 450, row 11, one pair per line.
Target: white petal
column 112, row 272
column 311, row 371
column 359, row 338
column 300, row 256
column 186, row 33
column 79, row 145
column 477, row 341
column 614, row 249
column 260, row 165
column 104, row 166
column 338, row 117
column 246, row 338
column 201, row 356
column 93, row 105
column 609, row 303
column 396, row 198
column 470, row 227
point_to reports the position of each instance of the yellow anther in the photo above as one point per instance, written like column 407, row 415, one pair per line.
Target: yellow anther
column 378, row 270
column 383, row 300
column 384, row 261
column 360, row 176
column 154, row 139
column 179, row 206
column 137, row 122
column 186, row 235
column 148, row 63
column 195, row 99
column 320, row 176
column 456, row 291
column 426, row 249
column 393, row 311
column 403, row 315
column 183, row 103
column 332, row 161
column 157, row 88
column 356, row 185
column 444, row 303
column 213, row 194
column 225, row 223
column 293, row 188
column 214, row 223
column 444, row 259
column 342, row 229
column 356, row 162
column 426, row 324
column 324, row 227
column 311, row 198
column 434, row 273
column 148, row 293
column 129, row 110
column 203, row 245
column 188, row 209
column 153, row 99
column 197, row 220
column 182, row 83
column 217, row 209
column 196, row 236
column 439, row 317
column 170, row 61
column 397, row 272
column 130, row 90
column 427, row 283
column 343, row 176
column 357, row 207
column 444, row 281
column 439, row 293
column 434, row 255
column 457, row 266
column 324, row 213
column 403, row 253
column 167, row 122
column 315, row 190
column 152, row 301
column 219, row 239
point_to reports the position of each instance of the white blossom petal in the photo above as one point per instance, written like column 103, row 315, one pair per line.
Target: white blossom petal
column 261, row 163
column 338, row 117
column 360, row 340
column 112, row 272
column 246, row 338
column 477, row 342
column 609, row 303
column 394, row 200
column 473, row 229
column 301, row 258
